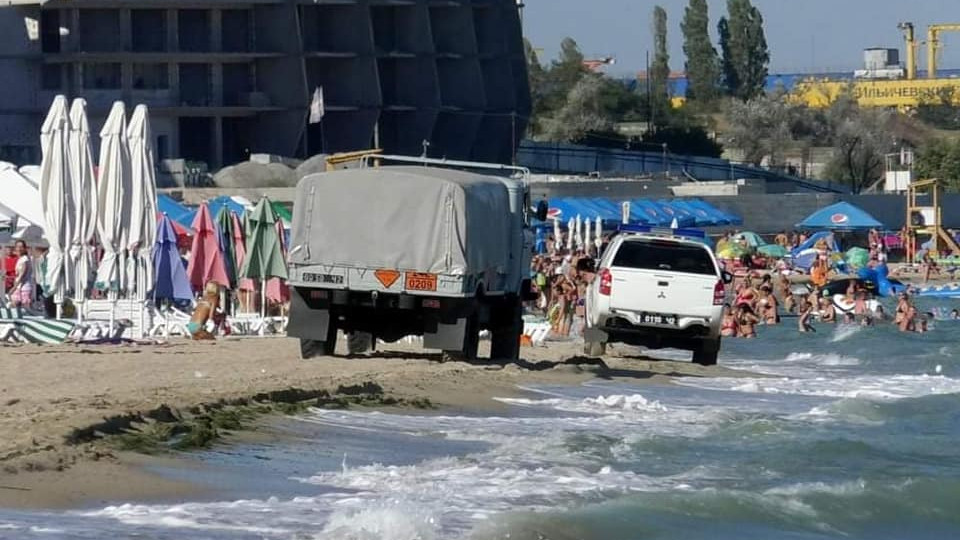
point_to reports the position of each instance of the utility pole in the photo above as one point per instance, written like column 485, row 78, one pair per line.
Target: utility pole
column 649, row 97
column 513, row 137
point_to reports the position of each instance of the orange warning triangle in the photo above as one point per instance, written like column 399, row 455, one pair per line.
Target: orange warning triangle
column 387, row 277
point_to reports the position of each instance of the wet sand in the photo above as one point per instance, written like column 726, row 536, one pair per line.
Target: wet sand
column 48, row 392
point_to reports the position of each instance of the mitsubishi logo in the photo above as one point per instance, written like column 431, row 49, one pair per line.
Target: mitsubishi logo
column 661, row 295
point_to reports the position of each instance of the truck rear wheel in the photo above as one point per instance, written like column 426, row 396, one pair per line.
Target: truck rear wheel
column 505, row 339
column 360, row 342
column 471, row 343
column 706, row 354
column 312, row 348
column 594, row 348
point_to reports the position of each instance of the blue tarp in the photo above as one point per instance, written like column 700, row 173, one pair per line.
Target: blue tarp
column 723, row 217
column 842, row 216
column 219, row 202
column 175, row 210
column 661, row 213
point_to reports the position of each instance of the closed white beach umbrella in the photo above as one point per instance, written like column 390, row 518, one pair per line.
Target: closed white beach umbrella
column 598, row 235
column 557, row 234
column 84, row 199
column 584, row 233
column 570, row 226
column 578, row 238
column 143, row 203
column 113, row 199
column 56, row 196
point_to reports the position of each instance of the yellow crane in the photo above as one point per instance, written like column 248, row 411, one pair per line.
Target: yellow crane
column 911, row 40
column 905, row 93
column 933, row 45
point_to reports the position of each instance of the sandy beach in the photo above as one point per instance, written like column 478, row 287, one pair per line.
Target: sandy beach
column 48, row 393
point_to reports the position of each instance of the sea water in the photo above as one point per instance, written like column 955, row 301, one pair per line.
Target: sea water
column 849, row 433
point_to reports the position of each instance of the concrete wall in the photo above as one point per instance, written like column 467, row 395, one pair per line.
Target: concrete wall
column 20, row 116
column 575, row 159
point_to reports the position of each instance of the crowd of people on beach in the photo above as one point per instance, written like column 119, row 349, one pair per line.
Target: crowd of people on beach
column 762, row 291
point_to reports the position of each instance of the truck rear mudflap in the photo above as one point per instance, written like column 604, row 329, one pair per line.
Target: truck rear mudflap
column 443, row 322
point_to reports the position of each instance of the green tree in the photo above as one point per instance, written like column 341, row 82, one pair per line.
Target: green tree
column 940, row 159
column 861, row 139
column 744, row 47
column 660, row 68
column 582, row 113
column 703, row 65
column 551, row 85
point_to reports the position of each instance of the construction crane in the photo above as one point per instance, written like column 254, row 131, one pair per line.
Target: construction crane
column 912, row 45
column 889, row 85
column 594, row 64
column 933, row 45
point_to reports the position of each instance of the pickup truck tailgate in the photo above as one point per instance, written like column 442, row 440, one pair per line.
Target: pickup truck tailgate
column 648, row 276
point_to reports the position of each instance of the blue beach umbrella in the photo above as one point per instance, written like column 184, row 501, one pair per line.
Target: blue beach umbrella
column 170, row 275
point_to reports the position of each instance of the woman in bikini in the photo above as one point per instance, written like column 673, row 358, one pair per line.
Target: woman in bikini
column 747, row 295
column 206, row 310
column 903, row 306
column 767, row 306
column 728, row 325
column 747, row 321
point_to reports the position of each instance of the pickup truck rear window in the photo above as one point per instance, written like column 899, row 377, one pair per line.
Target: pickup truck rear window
column 668, row 257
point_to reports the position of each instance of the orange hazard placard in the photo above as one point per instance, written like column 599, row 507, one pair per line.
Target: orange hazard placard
column 416, row 281
column 387, row 277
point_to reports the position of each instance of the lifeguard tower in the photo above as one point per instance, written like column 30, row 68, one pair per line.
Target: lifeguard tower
column 925, row 219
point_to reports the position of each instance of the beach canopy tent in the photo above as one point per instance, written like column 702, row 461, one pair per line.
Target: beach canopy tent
column 214, row 205
column 841, row 216
column 21, row 197
column 831, row 239
column 686, row 212
column 176, row 211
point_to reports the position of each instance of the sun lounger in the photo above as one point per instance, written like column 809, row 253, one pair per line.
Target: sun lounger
column 16, row 325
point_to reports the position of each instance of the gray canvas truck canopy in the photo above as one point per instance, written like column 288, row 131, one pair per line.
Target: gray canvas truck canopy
column 403, row 218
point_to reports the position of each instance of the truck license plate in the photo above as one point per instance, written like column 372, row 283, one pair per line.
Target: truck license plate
column 421, row 282
column 658, row 318
column 331, row 279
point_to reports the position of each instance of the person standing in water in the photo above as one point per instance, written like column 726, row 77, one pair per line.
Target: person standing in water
column 803, row 321
column 728, row 325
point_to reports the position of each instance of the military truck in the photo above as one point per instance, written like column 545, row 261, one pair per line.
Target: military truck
column 387, row 252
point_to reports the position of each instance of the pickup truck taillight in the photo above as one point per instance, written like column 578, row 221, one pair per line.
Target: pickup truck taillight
column 719, row 293
column 606, row 281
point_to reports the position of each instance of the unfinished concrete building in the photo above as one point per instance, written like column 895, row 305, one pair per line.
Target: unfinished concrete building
column 226, row 78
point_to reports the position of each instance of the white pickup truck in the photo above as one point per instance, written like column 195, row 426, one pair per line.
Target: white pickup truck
column 657, row 289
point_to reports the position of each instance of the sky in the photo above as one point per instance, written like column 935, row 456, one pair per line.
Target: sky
column 803, row 35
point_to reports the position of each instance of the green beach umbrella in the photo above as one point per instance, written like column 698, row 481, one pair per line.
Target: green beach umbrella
column 773, row 250
column 281, row 211
column 264, row 253
column 225, row 224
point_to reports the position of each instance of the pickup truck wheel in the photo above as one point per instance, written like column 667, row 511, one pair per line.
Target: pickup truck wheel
column 706, row 355
column 505, row 341
column 594, row 348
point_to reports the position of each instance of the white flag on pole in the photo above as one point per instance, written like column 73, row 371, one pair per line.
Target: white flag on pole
column 316, row 106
